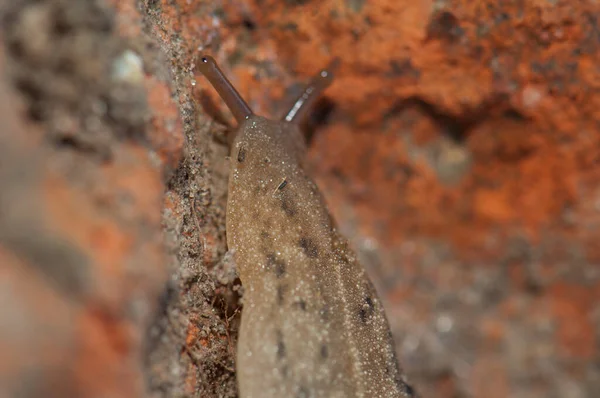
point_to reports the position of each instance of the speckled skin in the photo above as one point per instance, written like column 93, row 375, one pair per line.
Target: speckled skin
column 312, row 324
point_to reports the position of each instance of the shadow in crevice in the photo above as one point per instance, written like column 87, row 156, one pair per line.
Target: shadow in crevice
column 458, row 126
column 319, row 117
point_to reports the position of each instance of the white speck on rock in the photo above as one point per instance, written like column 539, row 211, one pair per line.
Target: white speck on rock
column 128, row 67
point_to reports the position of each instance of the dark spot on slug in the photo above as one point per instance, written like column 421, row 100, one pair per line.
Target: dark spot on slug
column 388, row 369
column 324, row 351
column 301, row 304
column 281, row 350
column 280, row 269
column 241, row 155
column 303, row 392
column 280, row 294
column 363, row 315
column 264, row 235
column 367, row 310
column 282, row 185
column 324, row 313
column 309, row 247
column 278, row 266
column 267, row 223
column 288, row 205
column 280, row 345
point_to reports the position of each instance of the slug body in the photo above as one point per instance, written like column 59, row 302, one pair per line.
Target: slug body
column 312, row 324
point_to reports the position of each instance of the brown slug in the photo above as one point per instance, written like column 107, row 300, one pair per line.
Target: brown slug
column 312, row 324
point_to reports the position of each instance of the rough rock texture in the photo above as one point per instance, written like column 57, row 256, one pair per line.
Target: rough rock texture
column 81, row 247
column 459, row 150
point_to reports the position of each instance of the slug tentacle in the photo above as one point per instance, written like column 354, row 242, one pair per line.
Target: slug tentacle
column 311, row 93
column 236, row 104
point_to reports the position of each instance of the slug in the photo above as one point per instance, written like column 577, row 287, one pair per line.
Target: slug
column 312, row 324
